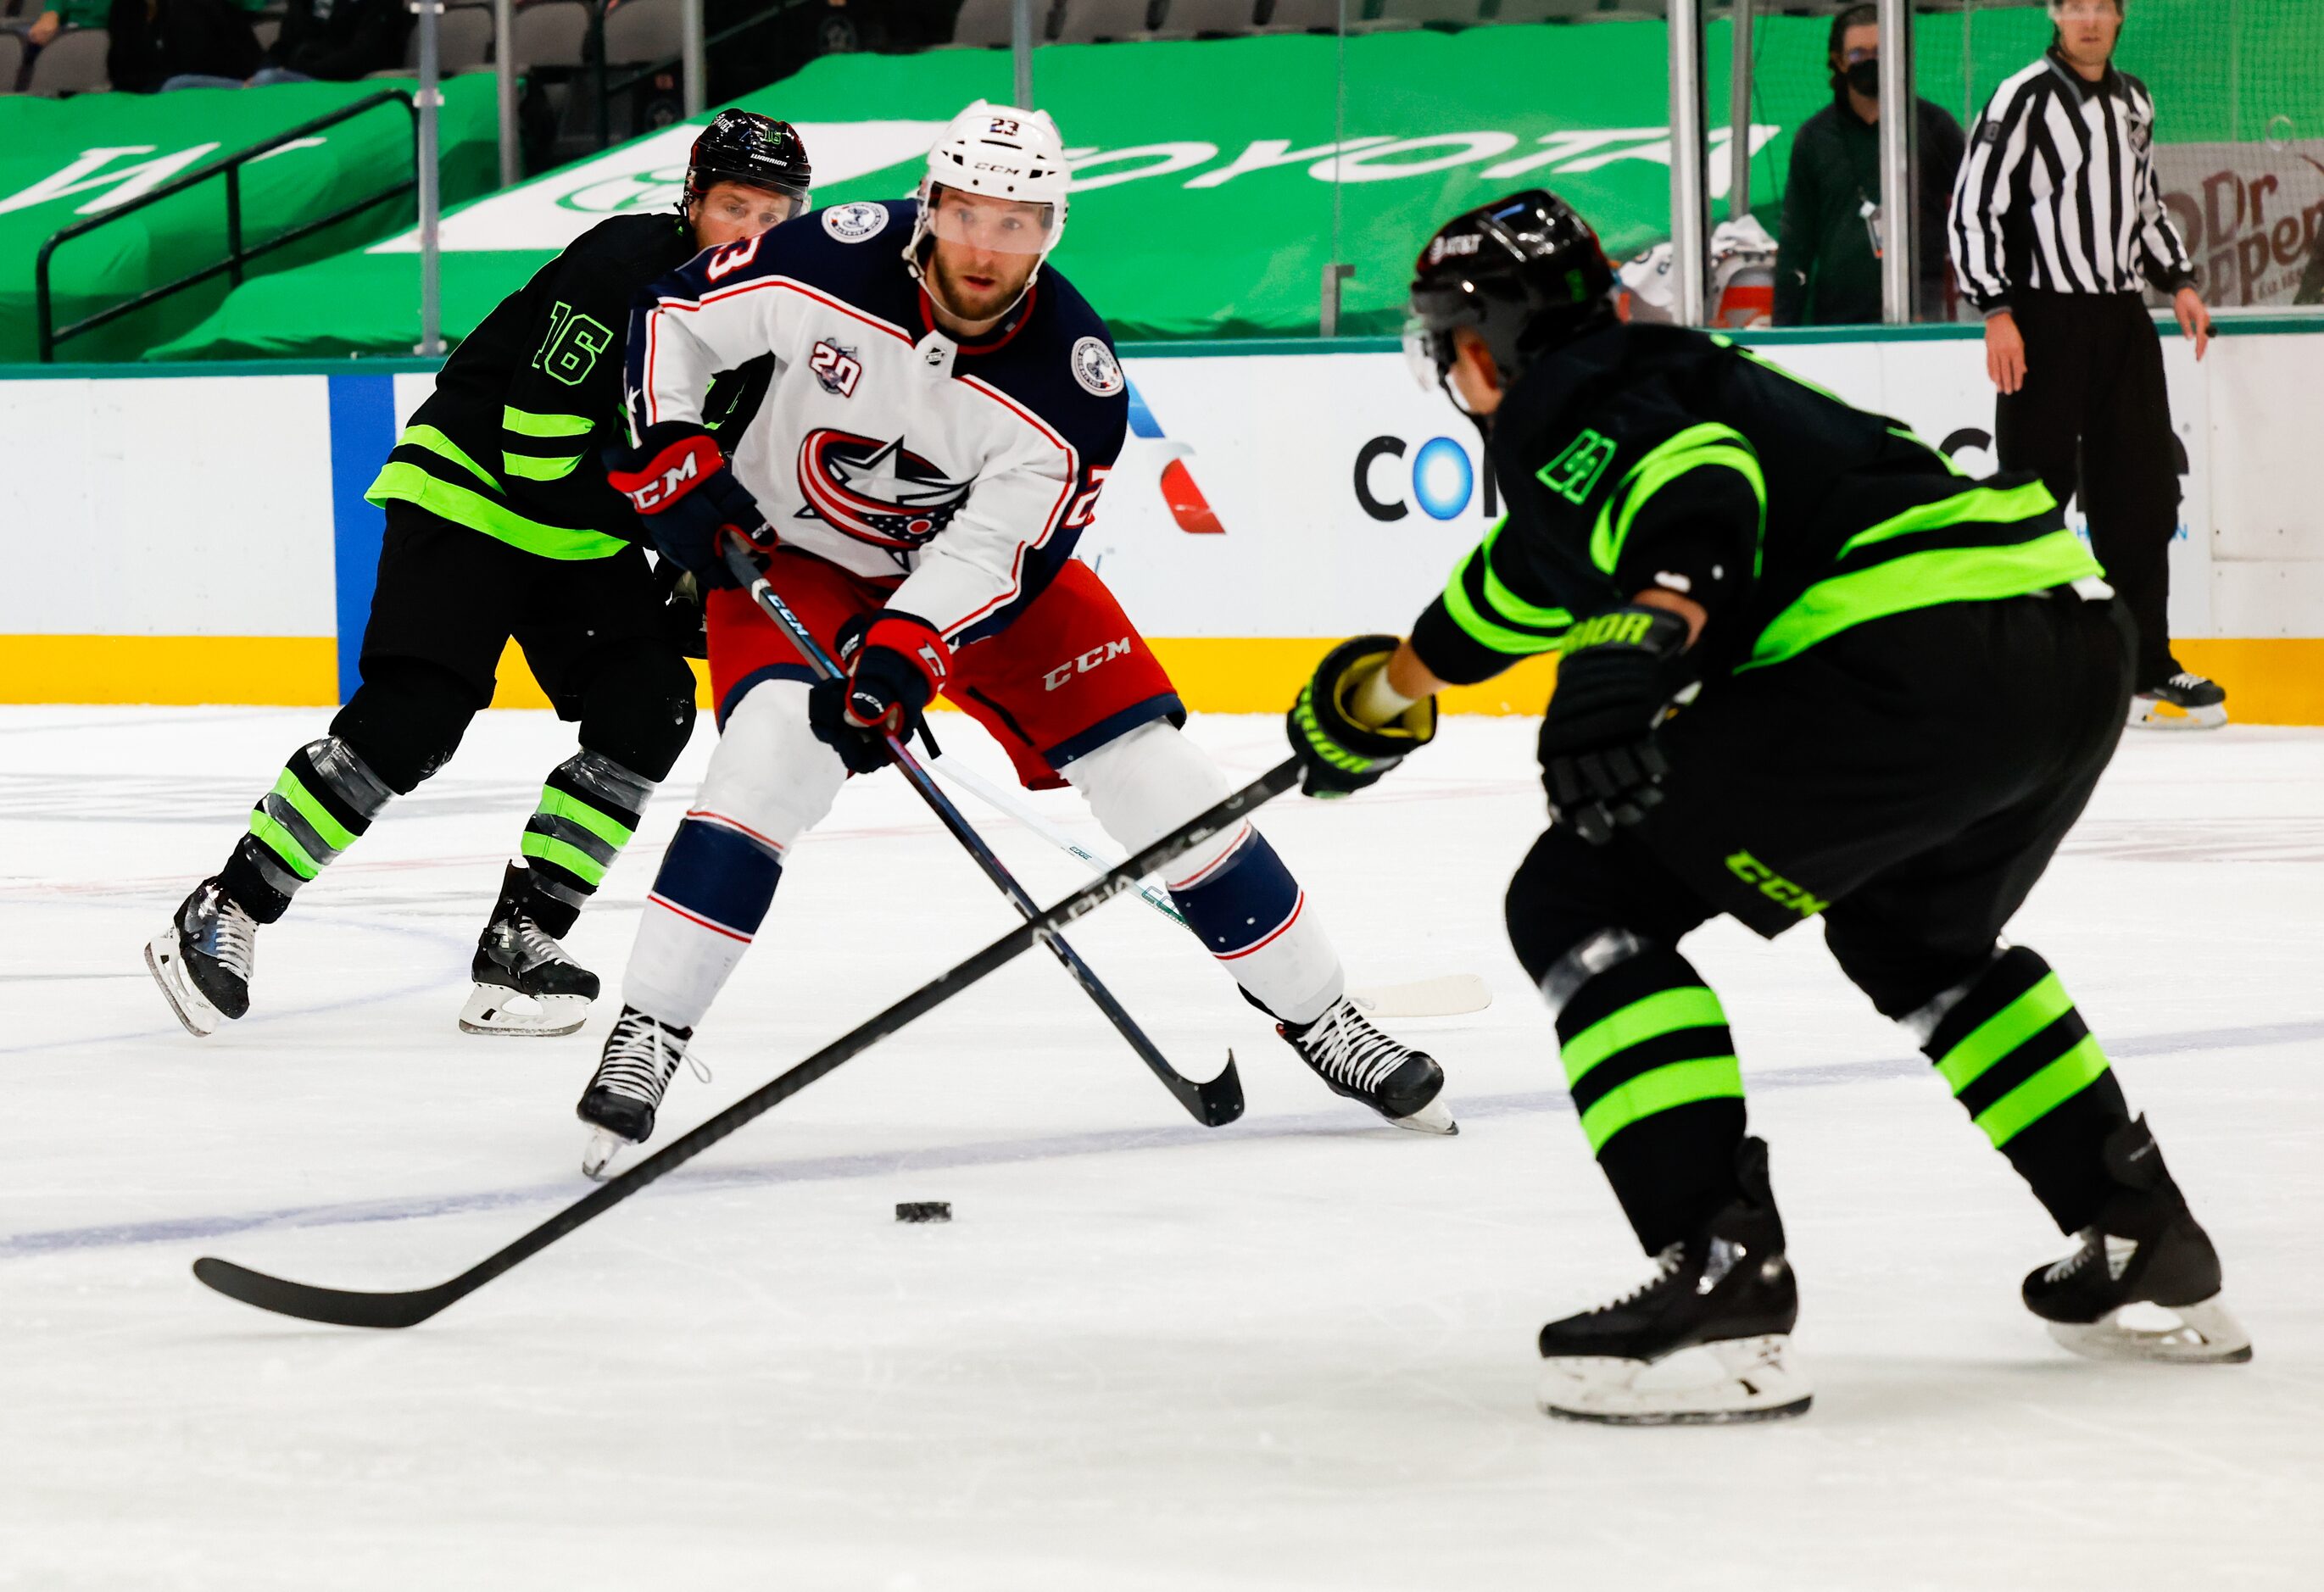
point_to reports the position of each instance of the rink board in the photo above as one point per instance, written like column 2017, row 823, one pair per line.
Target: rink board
column 188, row 538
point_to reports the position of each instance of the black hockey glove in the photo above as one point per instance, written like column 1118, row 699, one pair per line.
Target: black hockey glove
column 1599, row 758
column 680, row 483
column 1338, row 754
column 894, row 664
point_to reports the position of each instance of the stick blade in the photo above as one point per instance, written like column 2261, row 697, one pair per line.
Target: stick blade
column 1220, row 1101
column 338, row 1307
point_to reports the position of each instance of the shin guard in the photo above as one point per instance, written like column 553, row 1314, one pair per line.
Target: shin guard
column 1652, row 1066
column 2027, row 1070
column 326, row 797
column 589, row 809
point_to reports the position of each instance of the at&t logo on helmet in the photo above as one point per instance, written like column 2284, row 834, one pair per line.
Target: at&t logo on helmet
column 1440, row 480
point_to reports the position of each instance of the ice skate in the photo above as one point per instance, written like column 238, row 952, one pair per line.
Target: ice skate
column 1357, row 1059
column 640, row 1057
column 1726, row 1291
column 203, row 960
column 2186, row 701
column 527, row 984
column 2145, row 1256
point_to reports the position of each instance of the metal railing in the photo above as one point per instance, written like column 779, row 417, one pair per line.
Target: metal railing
column 237, row 256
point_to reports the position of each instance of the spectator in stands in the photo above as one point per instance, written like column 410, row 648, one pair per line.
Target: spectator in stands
column 338, row 41
column 61, row 14
column 157, row 44
column 1827, row 261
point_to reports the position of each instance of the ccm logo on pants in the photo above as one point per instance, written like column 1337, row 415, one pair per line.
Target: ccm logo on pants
column 1083, row 664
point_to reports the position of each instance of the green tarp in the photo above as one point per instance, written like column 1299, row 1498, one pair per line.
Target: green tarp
column 63, row 161
column 1211, row 198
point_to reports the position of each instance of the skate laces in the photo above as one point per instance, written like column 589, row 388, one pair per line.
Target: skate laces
column 641, row 1057
column 532, row 944
column 2188, row 680
column 1343, row 1046
column 2094, row 1244
column 225, row 932
column 1667, row 1262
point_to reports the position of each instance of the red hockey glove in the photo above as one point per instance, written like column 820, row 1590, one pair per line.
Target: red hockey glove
column 894, row 663
column 679, row 483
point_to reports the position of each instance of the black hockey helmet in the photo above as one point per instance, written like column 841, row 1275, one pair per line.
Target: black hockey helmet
column 1526, row 272
column 745, row 147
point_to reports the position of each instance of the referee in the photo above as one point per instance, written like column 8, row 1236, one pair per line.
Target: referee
column 2056, row 216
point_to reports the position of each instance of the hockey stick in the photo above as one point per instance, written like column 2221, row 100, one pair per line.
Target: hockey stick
column 350, row 1308
column 1447, row 996
column 1008, row 806
column 1212, row 1104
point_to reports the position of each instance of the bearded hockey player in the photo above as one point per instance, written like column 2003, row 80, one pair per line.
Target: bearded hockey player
column 1901, row 685
column 499, row 523
column 942, row 417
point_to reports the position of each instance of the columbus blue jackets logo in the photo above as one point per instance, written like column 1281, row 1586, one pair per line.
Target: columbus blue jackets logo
column 879, row 492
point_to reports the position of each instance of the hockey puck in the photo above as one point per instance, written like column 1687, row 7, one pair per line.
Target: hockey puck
column 924, row 1210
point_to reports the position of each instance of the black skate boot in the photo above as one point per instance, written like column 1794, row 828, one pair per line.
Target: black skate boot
column 2145, row 1249
column 203, row 960
column 1359, row 1062
column 1727, row 1289
column 640, row 1059
column 526, row 982
column 2186, row 701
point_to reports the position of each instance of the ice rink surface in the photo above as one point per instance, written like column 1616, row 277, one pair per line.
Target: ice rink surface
column 1295, row 1353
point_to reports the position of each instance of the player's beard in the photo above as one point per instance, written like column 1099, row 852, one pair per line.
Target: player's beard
column 970, row 303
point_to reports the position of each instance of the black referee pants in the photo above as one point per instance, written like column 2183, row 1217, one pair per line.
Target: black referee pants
column 2094, row 421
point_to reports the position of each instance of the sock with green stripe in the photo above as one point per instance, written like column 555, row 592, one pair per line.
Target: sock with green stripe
column 589, row 808
column 1652, row 1071
column 2030, row 1075
column 326, row 797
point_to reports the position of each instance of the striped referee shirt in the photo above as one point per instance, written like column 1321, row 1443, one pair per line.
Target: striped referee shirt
column 2059, row 191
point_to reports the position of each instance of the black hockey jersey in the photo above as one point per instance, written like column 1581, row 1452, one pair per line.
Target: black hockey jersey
column 1639, row 451
column 884, row 445
column 512, row 442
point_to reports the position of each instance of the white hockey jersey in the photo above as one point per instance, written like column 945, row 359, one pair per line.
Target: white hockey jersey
column 883, row 443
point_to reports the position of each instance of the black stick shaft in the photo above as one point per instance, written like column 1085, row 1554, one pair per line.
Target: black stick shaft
column 1214, row 1103
column 404, row 1309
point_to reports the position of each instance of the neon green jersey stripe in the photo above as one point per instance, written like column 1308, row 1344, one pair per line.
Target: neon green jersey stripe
column 572, row 859
column 436, row 442
column 1506, row 603
column 1920, row 580
column 1481, row 626
column 1681, row 1083
column 280, row 841
column 525, row 467
column 334, row 835
column 2043, row 1093
column 1663, row 1012
column 525, row 423
column 1980, row 505
column 1708, row 446
column 494, row 518
column 2004, row 1032
column 556, row 803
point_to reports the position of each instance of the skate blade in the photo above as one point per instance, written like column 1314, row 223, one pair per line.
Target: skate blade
column 2205, row 1334
column 2146, row 714
column 1750, row 1379
column 1453, row 995
column 496, row 1009
column 197, row 1016
column 1432, row 1117
column 598, row 1156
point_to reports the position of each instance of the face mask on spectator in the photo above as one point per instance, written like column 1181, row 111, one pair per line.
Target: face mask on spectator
column 1864, row 77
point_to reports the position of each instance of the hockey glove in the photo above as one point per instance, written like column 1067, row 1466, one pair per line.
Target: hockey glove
column 680, row 483
column 1599, row 758
column 1340, row 754
column 682, row 624
column 892, row 664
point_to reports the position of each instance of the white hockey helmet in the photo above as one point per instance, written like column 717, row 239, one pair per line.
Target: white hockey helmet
column 1002, row 153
